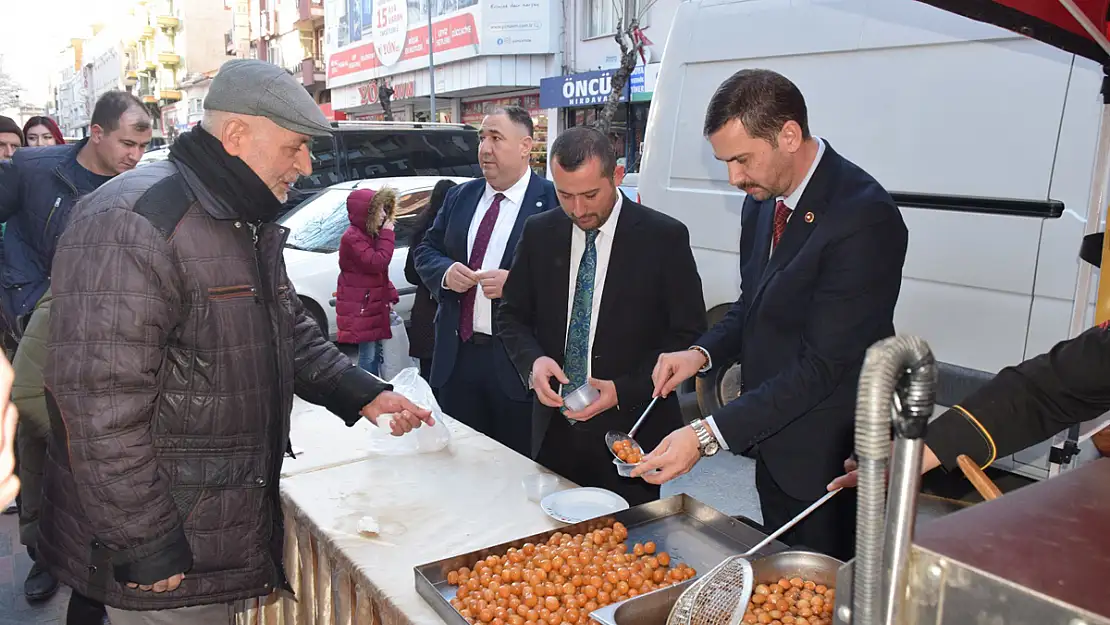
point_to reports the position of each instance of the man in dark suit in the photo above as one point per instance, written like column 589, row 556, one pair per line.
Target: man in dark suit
column 464, row 260
column 596, row 293
column 821, row 251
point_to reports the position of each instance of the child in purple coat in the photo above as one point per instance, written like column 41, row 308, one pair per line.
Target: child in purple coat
column 365, row 295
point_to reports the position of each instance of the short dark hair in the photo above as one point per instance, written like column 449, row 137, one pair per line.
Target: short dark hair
column 762, row 100
column 112, row 105
column 519, row 116
column 574, row 146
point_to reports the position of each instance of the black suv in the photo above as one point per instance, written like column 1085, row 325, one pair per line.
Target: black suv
column 362, row 150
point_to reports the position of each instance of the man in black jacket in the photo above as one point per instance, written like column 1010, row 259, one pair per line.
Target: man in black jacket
column 596, row 292
column 821, row 252
column 1022, row 406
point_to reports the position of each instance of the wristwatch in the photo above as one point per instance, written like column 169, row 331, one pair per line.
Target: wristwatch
column 707, row 443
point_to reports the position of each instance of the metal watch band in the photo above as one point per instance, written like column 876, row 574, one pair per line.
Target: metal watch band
column 704, row 437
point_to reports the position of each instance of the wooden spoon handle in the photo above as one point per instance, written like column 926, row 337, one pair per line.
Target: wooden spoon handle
column 978, row 479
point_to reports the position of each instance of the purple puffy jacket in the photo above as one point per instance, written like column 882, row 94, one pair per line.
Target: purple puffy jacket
column 365, row 295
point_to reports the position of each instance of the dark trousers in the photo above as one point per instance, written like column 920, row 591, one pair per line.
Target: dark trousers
column 578, row 453
column 831, row 529
column 426, row 368
column 475, row 396
column 84, row 611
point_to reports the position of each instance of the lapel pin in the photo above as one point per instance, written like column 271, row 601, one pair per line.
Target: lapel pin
column 809, row 218
column 540, row 204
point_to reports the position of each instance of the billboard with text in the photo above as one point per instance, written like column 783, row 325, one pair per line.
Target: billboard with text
column 366, row 39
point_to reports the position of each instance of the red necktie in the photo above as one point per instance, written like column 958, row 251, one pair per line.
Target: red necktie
column 477, row 255
column 782, row 214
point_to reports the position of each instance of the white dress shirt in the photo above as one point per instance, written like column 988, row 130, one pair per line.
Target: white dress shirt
column 604, row 246
column 791, row 202
column 498, row 241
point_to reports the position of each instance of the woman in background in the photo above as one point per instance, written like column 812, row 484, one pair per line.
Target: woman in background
column 423, row 315
column 41, row 130
column 365, row 295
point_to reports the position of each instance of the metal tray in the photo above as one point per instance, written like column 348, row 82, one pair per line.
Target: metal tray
column 692, row 532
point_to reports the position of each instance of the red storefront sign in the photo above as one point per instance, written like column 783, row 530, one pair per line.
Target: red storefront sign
column 455, row 32
column 368, row 92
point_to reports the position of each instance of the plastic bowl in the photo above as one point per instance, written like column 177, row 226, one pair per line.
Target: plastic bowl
column 623, row 468
column 539, row 485
column 581, row 398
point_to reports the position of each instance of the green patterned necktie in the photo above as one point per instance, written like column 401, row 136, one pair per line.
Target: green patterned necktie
column 575, row 362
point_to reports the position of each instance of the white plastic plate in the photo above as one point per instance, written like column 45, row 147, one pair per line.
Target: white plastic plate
column 581, row 504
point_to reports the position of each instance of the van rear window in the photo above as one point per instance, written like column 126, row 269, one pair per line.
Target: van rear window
column 381, row 153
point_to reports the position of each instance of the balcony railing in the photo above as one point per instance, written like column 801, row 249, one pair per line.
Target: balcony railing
column 169, row 22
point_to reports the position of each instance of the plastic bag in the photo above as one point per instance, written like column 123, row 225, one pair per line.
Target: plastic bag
column 423, row 439
column 395, row 350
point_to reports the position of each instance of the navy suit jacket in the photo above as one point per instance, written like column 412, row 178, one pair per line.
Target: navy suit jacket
column 445, row 244
column 804, row 320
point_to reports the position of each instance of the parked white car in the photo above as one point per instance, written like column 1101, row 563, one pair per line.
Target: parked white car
column 316, row 226
column 154, row 156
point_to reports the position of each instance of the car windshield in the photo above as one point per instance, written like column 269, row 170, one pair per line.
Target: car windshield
column 318, row 224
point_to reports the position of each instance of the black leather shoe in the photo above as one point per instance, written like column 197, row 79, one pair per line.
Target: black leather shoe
column 40, row 584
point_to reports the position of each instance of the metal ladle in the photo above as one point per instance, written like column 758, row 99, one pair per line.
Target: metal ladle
column 613, row 436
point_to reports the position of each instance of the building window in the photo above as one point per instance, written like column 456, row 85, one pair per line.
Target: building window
column 273, row 52
column 601, row 16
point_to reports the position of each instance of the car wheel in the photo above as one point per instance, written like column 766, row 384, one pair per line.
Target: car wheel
column 717, row 388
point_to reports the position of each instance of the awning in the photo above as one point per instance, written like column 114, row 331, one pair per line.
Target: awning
column 1076, row 26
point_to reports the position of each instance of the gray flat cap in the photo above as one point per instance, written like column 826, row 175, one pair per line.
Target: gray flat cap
column 253, row 87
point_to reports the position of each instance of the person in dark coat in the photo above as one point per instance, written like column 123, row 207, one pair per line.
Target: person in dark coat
column 822, row 246
column 1021, row 406
column 365, row 295
column 422, row 333
column 162, row 486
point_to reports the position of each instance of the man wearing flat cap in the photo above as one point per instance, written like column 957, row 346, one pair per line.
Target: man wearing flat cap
column 176, row 345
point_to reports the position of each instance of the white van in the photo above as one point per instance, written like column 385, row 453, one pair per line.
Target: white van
column 985, row 138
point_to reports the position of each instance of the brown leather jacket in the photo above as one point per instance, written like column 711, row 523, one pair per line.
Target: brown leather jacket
column 176, row 345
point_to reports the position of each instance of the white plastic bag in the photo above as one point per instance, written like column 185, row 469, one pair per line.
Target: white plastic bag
column 423, row 439
column 395, row 350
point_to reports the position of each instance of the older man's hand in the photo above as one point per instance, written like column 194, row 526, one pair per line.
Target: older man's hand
column 169, row 584
column 404, row 416
column 9, row 483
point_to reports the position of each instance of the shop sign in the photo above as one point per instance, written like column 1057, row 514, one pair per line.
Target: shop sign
column 367, row 40
column 391, row 19
column 368, row 92
column 589, row 88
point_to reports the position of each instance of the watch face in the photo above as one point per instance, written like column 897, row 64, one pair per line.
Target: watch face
column 712, row 448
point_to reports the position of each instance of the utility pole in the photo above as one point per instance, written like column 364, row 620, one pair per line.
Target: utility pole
column 431, row 62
